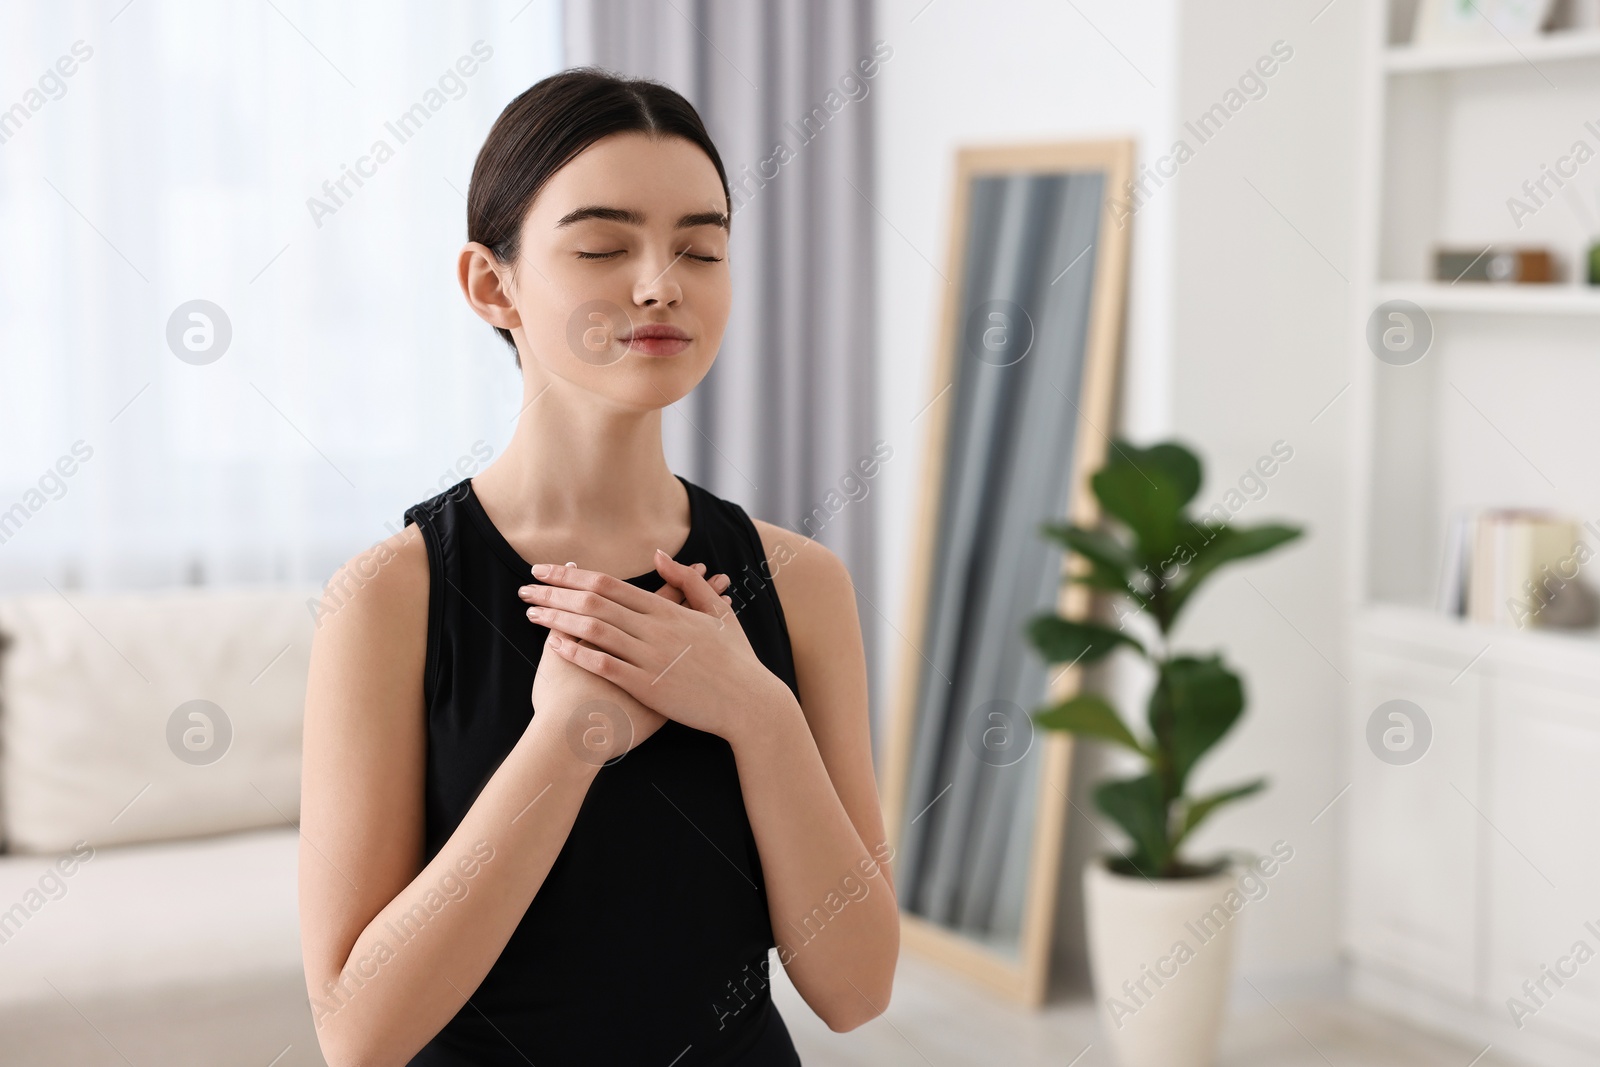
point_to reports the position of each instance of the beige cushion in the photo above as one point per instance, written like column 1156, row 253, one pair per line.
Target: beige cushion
column 212, row 911
column 89, row 745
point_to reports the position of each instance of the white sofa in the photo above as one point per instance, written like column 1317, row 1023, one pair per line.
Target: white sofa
column 148, row 910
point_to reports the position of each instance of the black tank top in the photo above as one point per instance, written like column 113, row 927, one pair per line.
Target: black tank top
column 648, row 941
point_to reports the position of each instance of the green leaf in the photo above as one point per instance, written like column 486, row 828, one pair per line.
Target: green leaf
column 1146, row 489
column 1196, row 810
column 1097, row 546
column 1110, row 561
column 1064, row 641
column 1140, row 808
column 1112, row 584
column 1215, row 545
column 1195, row 702
column 1088, row 715
column 1171, row 459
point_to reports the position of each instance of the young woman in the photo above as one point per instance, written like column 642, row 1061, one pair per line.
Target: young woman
column 549, row 814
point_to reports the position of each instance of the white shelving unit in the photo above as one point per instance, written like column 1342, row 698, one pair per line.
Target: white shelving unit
column 1554, row 48
column 1552, row 299
column 1474, row 868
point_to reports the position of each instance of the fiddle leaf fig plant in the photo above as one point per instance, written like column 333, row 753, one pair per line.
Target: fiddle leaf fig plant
column 1154, row 555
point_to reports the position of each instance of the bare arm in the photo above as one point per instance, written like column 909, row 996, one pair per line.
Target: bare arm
column 392, row 948
column 809, row 789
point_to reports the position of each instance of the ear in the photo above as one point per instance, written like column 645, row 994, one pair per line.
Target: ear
column 485, row 282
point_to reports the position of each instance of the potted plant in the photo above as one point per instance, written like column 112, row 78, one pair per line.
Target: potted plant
column 1160, row 979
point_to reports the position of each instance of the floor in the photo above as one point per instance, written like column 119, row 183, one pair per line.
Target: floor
column 938, row 1020
column 935, row 1020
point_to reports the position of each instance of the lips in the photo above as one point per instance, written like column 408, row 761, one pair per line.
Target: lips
column 657, row 339
column 654, row 330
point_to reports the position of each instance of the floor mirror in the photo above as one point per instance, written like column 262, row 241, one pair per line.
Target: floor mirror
column 1017, row 418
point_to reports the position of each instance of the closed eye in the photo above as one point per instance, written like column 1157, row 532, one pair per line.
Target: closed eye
column 608, row 255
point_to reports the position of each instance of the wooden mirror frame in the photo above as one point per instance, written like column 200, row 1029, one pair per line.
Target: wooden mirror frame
column 1027, row 978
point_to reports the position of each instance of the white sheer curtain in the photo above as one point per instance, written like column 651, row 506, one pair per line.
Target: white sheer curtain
column 159, row 152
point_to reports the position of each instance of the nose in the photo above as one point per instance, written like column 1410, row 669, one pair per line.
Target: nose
column 658, row 284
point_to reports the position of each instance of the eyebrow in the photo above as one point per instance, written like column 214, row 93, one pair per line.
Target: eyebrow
column 636, row 218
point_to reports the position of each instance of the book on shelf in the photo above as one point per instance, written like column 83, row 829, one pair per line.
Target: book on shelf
column 1457, row 559
column 1504, row 566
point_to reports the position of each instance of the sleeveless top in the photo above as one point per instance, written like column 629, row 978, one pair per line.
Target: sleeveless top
column 648, row 941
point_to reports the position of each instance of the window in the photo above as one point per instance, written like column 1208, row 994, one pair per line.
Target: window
column 232, row 347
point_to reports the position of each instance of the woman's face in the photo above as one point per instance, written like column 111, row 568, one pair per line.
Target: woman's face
column 632, row 233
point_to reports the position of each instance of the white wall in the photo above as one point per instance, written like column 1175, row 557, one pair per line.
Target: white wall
column 1235, row 339
column 1263, row 245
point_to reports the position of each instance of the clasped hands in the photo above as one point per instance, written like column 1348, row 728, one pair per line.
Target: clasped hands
column 688, row 661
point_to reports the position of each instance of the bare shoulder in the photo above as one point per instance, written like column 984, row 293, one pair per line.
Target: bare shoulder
column 384, row 586
column 365, row 689
column 810, row 579
column 819, row 608
column 368, row 653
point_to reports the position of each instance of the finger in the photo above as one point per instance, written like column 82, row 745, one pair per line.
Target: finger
column 558, row 577
column 598, row 662
column 670, row 592
column 538, row 593
column 589, row 632
column 718, row 582
column 697, row 592
column 575, row 576
column 612, row 600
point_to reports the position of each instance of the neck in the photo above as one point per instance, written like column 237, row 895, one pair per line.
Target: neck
column 577, row 461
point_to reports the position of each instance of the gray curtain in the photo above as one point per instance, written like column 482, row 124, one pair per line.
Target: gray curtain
column 1007, row 463
column 786, row 415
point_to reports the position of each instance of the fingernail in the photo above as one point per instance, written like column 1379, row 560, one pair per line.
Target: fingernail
column 533, row 613
column 555, row 640
column 541, row 570
column 526, row 590
column 661, row 553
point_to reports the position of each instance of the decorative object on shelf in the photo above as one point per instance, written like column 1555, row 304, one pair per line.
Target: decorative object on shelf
column 1453, row 21
column 1576, row 15
column 1572, row 606
column 1498, row 264
column 1594, row 259
column 1518, row 567
column 1154, row 896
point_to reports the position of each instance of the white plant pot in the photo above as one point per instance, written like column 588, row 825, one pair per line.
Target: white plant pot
column 1161, row 956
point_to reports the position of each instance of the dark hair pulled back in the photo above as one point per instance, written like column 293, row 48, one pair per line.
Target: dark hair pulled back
column 545, row 127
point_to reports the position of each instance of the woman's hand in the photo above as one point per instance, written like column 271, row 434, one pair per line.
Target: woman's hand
column 718, row 582
column 691, row 661
column 599, row 720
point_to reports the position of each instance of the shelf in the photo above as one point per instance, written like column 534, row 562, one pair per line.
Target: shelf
column 1572, row 655
column 1410, row 59
column 1488, row 298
